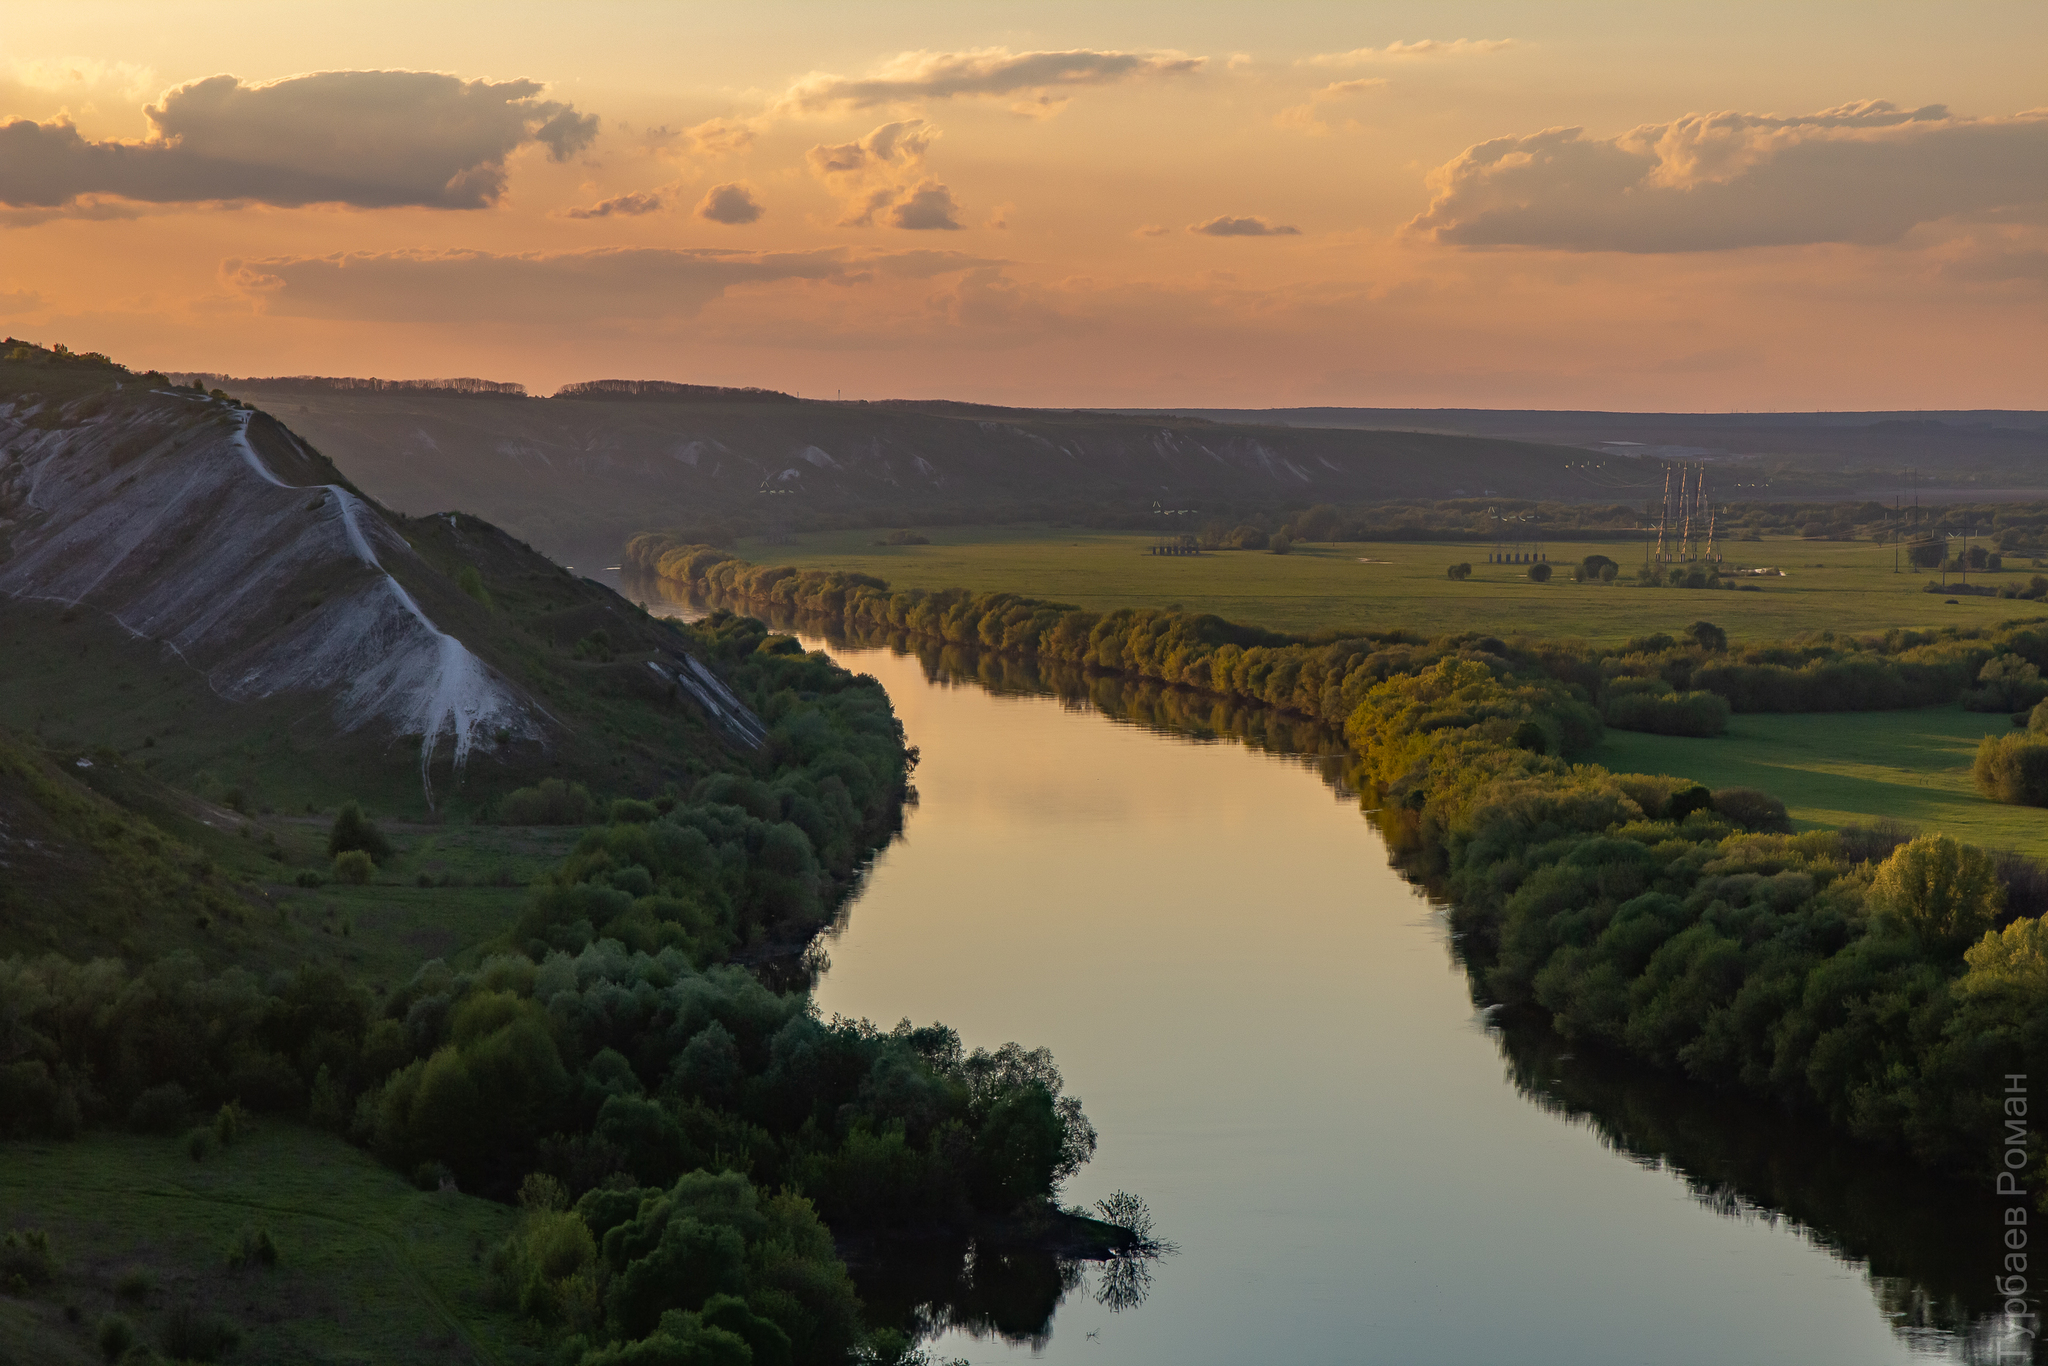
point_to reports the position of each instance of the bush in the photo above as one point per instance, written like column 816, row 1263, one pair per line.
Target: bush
column 199, row 1144
column 190, row 1335
column 135, row 1284
column 553, row 802
column 25, row 1257
column 2013, row 768
column 1539, row 572
column 1686, row 801
column 353, row 830
column 472, row 583
column 628, row 811
column 1753, row 810
column 1677, row 713
column 1460, row 572
column 2007, row 682
column 353, row 867
column 1281, row 543
column 115, row 1335
column 253, row 1246
column 1707, row 636
column 160, row 1109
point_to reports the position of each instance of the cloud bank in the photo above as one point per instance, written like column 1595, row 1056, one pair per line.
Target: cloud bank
column 554, row 287
column 1865, row 173
column 371, row 139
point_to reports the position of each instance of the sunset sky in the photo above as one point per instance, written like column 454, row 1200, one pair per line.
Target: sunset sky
column 1725, row 206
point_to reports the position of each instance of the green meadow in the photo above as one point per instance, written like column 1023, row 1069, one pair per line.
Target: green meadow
column 1842, row 767
column 368, row 1269
column 1829, row 585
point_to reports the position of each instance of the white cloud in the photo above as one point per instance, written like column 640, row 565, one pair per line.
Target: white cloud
column 630, row 205
column 1864, row 172
column 83, row 77
column 1422, row 48
column 373, row 139
column 913, row 77
column 732, row 204
column 1308, row 117
column 1226, row 226
column 883, row 175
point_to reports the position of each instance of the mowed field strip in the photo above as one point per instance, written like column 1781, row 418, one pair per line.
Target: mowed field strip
column 1840, row 768
column 1837, row 586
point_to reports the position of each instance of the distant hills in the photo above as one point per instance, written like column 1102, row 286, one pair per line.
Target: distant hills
column 1961, row 450
column 581, row 471
column 577, row 474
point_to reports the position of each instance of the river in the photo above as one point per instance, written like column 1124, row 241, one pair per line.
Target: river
column 1272, row 1032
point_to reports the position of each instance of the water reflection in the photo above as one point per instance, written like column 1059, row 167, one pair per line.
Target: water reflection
column 1927, row 1248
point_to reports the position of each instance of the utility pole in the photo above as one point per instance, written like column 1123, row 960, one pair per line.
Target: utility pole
column 1663, row 513
column 1685, row 511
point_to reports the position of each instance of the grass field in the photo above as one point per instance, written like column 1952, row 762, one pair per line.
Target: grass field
column 1830, row 585
column 1843, row 767
column 369, row 1269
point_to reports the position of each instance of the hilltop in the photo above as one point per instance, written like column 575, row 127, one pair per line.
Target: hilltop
column 187, row 583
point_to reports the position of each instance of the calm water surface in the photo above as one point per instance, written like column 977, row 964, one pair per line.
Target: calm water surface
column 1268, row 1027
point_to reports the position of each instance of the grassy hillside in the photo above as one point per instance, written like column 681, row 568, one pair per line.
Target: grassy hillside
column 1830, row 585
column 1850, row 767
column 368, row 1268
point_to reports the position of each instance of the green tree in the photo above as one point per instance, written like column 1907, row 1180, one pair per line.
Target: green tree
column 353, row 830
column 1944, row 891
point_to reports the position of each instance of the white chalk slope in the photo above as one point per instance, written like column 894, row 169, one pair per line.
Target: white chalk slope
column 167, row 520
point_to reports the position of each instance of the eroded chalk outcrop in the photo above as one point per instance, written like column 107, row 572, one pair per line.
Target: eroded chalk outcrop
column 161, row 514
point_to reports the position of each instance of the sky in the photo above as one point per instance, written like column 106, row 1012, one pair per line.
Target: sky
column 1707, row 207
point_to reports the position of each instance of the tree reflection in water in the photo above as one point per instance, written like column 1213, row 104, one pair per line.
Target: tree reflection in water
column 1926, row 1245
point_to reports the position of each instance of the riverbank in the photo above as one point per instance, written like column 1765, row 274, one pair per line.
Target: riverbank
column 1674, row 928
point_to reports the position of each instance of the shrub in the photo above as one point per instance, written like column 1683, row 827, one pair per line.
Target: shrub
column 2007, row 682
column 1685, row 801
column 553, row 802
column 25, row 1257
column 1539, row 572
column 135, row 1283
column 627, row 811
column 310, row 877
column 1707, row 636
column 1460, row 572
column 253, row 1246
column 1281, row 543
column 199, row 1144
column 230, row 1123
column 160, row 1109
column 353, row 831
column 115, row 1335
column 1753, row 810
column 1678, row 713
column 2013, row 768
column 472, row 583
column 353, row 867
column 904, row 537
column 1944, row 891
column 190, row 1335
